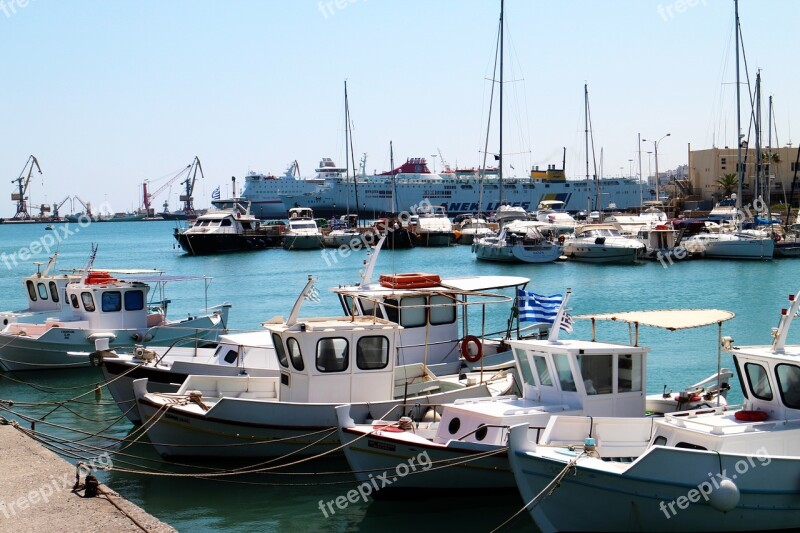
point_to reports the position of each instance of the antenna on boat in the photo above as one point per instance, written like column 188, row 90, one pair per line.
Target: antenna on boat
column 556, row 327
column 786, row 320
column 89, row 263
column 366, row 274
column 50, row 263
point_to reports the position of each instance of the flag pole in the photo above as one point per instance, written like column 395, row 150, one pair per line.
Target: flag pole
column 556, row 327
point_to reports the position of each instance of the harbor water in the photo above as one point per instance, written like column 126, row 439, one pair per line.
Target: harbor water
column 264, row 284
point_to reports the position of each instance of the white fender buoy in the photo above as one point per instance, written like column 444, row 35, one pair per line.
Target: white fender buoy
column 725, row 497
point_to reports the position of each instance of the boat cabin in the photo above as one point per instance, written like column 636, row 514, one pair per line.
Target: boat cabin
column 43, row 289
column 103, row 302
column 335, row 360
column 297, row 213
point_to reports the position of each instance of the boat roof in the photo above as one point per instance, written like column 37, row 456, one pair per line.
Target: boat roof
column 462, row 284
column 670, row 319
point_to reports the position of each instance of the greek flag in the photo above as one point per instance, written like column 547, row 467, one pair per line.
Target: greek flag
column 539, row 308
column 215, row 194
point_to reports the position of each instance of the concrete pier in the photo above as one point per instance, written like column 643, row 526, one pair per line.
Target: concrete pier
column 36, row 495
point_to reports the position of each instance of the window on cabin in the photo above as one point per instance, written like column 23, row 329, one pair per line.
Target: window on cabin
column 332, row 354
column 629, row 374
column 31, row 290
column 596, row 371
column 524, row 366
column 759, row 381
column 74, row 300
column 88, row 301
column 231, row 356
column 372, row 353
column 739, row 373
column 111, row 301
column 443, row 310
column 788, row 377
column 542, row 370
column 279, row 350
column 660, row 441
column 246, row 226
column 42, row 288
column 225, row 222
column 689, row 446
column 412, row 311
column 370, row 308
column 350, row 306
column 134, row 300
column 390, row 305
column 294, row 354
column 54, row 291
column 565, row 377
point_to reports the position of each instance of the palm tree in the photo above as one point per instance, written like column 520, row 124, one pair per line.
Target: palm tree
column 728, row 182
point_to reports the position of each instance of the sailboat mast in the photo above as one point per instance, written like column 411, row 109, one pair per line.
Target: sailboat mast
column 759, row 163
column 500, row 173
column 349, row 136
column 391, row 163
column 346, row 151
column 586, row 135
column 739, row 169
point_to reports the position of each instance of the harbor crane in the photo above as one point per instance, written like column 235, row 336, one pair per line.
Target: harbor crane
column 23, row 182
column 190, row 173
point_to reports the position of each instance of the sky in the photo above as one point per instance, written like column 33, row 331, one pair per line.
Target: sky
column 108, row 94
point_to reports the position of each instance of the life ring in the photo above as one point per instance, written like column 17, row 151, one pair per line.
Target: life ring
column 661, row 227
column 238, row 215
column 414, row 280
column 561, row 239
column 97, row 277
column 751, row 416
column 466, row 354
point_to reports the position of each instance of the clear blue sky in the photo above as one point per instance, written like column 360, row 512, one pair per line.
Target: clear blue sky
column 107, row 94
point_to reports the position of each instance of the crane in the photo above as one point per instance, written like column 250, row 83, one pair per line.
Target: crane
column 188, row 207
column 23, row 182
column 58, row 206
column 149, row 197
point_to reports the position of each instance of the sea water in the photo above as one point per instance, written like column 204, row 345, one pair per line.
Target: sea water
column 264, row 284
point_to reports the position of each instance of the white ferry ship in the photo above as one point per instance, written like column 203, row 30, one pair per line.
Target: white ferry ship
column 331, row 192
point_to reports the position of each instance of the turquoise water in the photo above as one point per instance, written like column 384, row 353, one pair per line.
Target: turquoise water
column 264, row 284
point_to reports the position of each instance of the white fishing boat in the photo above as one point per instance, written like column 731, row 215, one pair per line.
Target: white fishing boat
column 100, row 308
column 432, row 227
column 711, row 469
column 302, row 232
column 519, row 242
column 323, row 363
column 559, row 377
column 344, row 232
column 44, row 290
column 602, row 243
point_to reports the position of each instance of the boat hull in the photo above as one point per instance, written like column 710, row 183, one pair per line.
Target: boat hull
column 732, row 248
column 595, row 253
column 206, row 244
column 517, row 253
column 302, row 242
column 432, row 239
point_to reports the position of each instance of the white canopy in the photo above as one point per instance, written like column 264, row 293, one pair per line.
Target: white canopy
column 671, row 319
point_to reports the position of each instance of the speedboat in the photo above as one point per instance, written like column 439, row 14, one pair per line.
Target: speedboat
column 344, row 232
column 472, row 228
column 100, row 308
column 726, row 468
column 602, row 243
column 323, row 362
column 559, row 377
column 228, row 228
column 519, row 242
column 432, row 227
column 553, row 214
column 733, row 245
column 302, row 232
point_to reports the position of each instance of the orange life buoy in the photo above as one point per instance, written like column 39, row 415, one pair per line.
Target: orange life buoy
column 466, row 354
column 409, row 281
column 99, row 278
column 751, row 416
column 661, row 227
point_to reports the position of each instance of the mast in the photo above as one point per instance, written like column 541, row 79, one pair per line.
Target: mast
column 641, row 195
column 769, row 157
column 739, row 169
column 586, row 135
column 349, row 137
column 759, row 162
column 500, row 174
column 394, row 187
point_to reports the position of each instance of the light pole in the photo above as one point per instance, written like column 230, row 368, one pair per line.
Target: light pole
column 655, row 149
column 649, row 166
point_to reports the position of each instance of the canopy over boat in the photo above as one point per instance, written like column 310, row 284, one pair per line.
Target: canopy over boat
column 671, row 319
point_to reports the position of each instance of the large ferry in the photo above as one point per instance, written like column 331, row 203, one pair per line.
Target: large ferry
column 332, row 193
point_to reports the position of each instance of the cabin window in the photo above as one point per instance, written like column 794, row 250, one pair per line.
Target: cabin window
column 246, row 226
column 524, row 366
column 372, row 353
column 597, row 371
column 390, row 305
column 31, row 291
column 759, row 381
column 279, row 351
column 349, row 305
column 564, row 373
column 111, row 301
column 480, row 434
column 54, row 291
column 74, row 300
column 629, row 374
column 42, row 288
column 660, row 441
column 225, row 222
column 789, row 384
column 134, row 300
column 689, row 446
column 741, row 378
column 294, row 354
column 332, row 354
column 443, row 310
column 542, row 371
column 88, row 301
column 412, row 312
column 454, row 426
column 370, row 308
column 231, row 356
